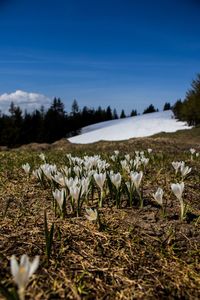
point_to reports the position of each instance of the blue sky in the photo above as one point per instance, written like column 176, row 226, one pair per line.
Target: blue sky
column 122, row 53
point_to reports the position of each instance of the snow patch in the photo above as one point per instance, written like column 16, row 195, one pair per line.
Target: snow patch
column 132, row 127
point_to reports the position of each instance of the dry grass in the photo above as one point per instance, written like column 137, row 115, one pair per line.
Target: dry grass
column 137, row 254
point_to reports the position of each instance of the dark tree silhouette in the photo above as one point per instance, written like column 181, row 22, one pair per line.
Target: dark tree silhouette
column 122, row 115
column 167, row 106
column 133, row 113
column 149, row 109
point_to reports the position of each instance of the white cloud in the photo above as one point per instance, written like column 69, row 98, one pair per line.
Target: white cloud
column 26, row 101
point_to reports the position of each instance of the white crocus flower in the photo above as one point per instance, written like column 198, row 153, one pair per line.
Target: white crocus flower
column 116, row 179
column 124, row 165
column 60, row 179
column 197, row 154
column 48, row 170
column 116, row 152
column 42, row 156
column 77, row 170
column 129, row 186
column 91, row 173
column 100, row 179
column 185, row 170
column 26, row 167
column 37, row 174
column 137, row 162
column 142, row 153
column 144, row 161
column 85, row 182
column 91, row 214
column 23, row 271
column 113, row 157
column 192, row 151
column 127, row 157
column 136, row 179
column 59, row 196
column 149, row 150
column 177, row 189
column 176, row 165
column 75, row 192
column 158, row 196
column 71, row 181
column 67, row 171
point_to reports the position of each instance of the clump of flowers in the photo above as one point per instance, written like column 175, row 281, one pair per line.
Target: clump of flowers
column 180, row 165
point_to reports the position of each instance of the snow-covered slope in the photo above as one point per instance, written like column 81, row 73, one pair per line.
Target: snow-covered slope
column 122, row 129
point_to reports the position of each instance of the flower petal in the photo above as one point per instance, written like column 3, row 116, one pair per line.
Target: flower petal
column 14, row 266
column 34, row 265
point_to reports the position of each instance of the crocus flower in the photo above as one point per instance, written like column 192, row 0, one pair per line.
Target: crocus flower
column 60, row 179
column 26, row 167
column 192, row 150
column 48, row 170
column 158, row 196
column 176, row 165
column 137, row 162
column 127, row 157
column 91, row 214
column 113, row 157
column 38, row 174
column 125, row 165
column 71, row 182
column 75, row 192
column 129, row 186
column 116, row 179
column 177, row 189
column 77, row 170
column 136, row 179
column 42, row 156
column 59, row 197
column 23, row 271
column 185, row 170
column 85, row 182
column 145, row 161
column 100, row 179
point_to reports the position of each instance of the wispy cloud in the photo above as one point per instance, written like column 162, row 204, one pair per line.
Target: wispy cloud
column 26, row 101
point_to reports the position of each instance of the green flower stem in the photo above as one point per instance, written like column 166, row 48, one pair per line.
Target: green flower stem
column 21, row 293
column 140, row 198
column 101, row 199
column 183, row 210
column 118, row 198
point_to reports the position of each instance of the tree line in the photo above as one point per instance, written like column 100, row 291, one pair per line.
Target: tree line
column 47, row 126
column 189, row 109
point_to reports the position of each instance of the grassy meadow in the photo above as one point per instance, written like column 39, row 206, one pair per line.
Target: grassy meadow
column 129, row 252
